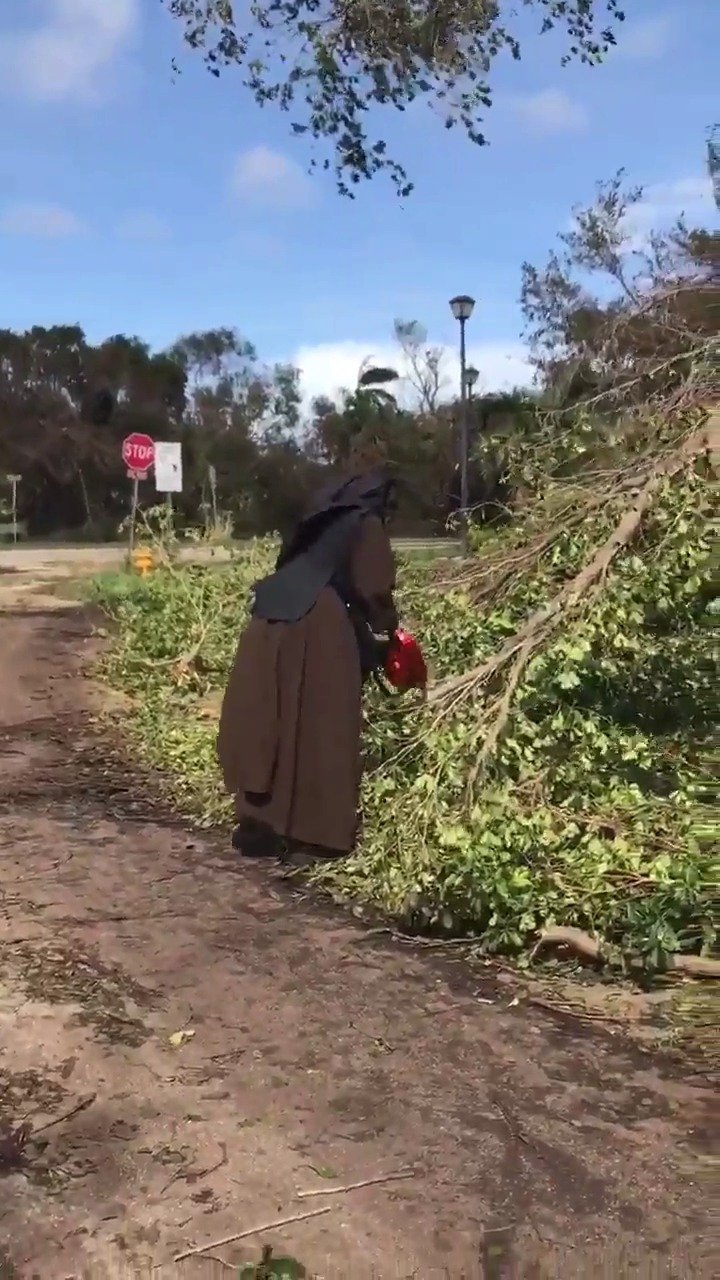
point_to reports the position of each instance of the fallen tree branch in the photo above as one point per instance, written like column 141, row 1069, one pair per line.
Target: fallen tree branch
column 594, row 570
column 496, row 576
column 503, row 712
column 589, row 948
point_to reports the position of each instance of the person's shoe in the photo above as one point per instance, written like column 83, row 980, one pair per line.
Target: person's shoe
column 255, row 844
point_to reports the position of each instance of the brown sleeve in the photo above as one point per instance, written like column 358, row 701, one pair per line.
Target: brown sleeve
column 372, row 571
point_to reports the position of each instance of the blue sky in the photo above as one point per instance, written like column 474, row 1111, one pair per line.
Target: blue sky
column 133, row 201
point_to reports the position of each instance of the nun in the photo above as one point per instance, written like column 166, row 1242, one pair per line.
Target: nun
column 289, row 741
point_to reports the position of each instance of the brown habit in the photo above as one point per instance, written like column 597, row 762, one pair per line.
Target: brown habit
column 291, row 719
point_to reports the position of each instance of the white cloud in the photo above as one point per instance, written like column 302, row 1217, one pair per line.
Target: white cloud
column 550, row 111
column 649, row 38
column 329, row 367
column 41, row 221
column 62, row 57
column 267, row 178
column 147, row 228
column 664, row 202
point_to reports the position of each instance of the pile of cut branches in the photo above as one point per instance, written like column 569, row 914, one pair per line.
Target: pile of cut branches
column 554, row 782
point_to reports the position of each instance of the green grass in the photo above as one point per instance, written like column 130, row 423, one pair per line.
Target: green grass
column 111, row 588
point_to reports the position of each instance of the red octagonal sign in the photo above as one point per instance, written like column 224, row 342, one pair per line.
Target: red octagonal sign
column 138, row 454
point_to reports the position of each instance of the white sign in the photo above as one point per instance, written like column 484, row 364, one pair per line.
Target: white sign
column 168, row 466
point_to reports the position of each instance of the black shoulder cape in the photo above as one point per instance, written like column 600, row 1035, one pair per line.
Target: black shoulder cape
column 318, row 547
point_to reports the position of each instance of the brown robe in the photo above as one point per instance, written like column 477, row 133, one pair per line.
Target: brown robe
column 291, row 720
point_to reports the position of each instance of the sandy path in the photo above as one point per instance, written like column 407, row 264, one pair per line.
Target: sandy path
column 319, row 1056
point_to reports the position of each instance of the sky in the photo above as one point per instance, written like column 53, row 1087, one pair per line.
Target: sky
column 136, row 200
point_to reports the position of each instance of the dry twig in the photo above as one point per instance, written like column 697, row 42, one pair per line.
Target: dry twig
column 252, row 1231
column 82, row 1105
column 355, row 1186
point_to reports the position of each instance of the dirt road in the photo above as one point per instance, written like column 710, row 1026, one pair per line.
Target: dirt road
column 311, row 1055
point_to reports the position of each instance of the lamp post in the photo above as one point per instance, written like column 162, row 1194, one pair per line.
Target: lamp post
column 462, row 308
column 713, row 152
column 14, row 482
column 471, row 377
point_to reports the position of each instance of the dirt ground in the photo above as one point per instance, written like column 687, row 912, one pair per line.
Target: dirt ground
column 213, row 1044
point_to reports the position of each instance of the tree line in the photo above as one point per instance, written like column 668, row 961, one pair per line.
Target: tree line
column 250, row 455
column 613, row 321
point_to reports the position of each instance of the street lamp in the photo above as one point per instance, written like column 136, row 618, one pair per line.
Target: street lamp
column 462, row 308
column 471, row 377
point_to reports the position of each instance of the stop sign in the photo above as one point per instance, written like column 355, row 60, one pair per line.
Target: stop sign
column 138, row 454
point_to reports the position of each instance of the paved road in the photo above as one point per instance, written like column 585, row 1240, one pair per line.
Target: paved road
column 34, row 557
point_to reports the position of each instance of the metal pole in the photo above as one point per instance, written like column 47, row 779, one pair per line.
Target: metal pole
column 13, row 481
column 133, row 514
column 464, row 447
column 212, row 477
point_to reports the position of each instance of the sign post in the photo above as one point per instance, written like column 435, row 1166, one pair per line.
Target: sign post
column 133, row 513
column 138, row 454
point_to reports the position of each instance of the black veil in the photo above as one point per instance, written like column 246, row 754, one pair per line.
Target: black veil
column 372, row 493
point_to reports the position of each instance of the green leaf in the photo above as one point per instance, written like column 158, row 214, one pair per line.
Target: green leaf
column 271, row 1268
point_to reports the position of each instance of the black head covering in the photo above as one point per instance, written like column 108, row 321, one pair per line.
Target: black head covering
column 317, row 548
column 372, row 493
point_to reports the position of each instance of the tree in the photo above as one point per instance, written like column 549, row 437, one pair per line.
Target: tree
column 44, row 437
column 622, row 315
column 327, row 61
column 423, row 363
column 64, row 408
column 243, row 421
column 364, row 421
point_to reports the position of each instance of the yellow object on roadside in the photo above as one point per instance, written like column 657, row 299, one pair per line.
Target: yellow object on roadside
column 143, row 561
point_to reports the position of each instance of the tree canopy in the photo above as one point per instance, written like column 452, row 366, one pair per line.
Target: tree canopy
column 66, row 405
column 251, row 451
column 326, row 62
